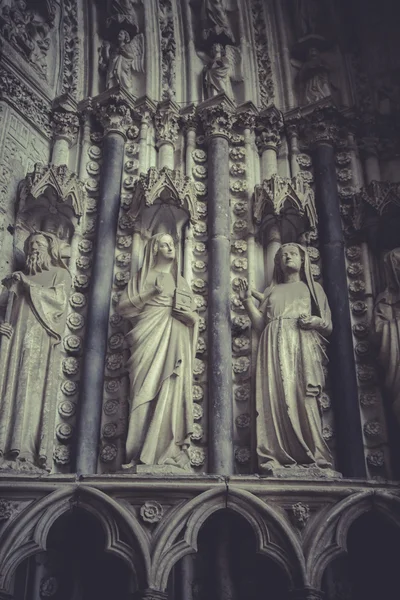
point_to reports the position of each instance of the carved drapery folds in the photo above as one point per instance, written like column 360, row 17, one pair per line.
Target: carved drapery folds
column 288, row 203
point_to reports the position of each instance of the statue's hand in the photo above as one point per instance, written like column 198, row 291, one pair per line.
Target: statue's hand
column 6, row 329
column 310, row 322
column 158, row 288
column 13, row 278
column 185, row 316
column 244, row 291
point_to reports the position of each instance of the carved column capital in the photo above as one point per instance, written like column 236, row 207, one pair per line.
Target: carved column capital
column 166, row 122
column 189, row 118
column 217, row 116
column 114, row 115
column 322, row 126
column 65, row 125
column 269, row 129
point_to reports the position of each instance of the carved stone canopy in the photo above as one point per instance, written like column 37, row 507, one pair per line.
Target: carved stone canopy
column 288, row 202
column 376, row 214
column 157, row 190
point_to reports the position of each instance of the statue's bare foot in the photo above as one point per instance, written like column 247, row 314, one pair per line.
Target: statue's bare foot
column 129, row 466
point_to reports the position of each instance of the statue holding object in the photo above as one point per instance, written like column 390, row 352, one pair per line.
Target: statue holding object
column 159, row 304
column 292, row 319
column 30, row 336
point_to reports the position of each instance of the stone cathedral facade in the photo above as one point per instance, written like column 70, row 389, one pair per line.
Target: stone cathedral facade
column 200, row 301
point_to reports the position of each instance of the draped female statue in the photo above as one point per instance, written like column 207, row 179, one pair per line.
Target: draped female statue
column 292, row 318
column 159, row 304
column 387, row 328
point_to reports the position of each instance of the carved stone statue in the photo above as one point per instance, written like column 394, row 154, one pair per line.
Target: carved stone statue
column 313, row 77
column 214, row 20
column 159, row 304
column 223, row 67
column 292, row 318
column 123, row 61
column 387, row 328
column 29, row 337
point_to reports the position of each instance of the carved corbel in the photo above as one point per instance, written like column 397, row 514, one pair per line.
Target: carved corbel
column 115, row 109
column 65, row 120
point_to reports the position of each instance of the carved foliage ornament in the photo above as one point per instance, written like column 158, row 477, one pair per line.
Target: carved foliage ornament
column 217, row 119
column 168, row 49
column 166, row 122
column 269, row 128
column 71, row 48
column 115, row 114
column 266, row 83
column 165, row 185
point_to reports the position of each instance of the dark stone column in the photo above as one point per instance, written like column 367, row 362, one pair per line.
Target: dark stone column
column 342, row 364
column 150, row 594
column 306, row 593
column 92, row 378
column 217, row 121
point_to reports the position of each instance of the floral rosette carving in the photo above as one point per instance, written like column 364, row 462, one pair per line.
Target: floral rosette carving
column 116, row 341
column 151, row 512
column 241, row 344
column 241, row 365
column 376, row 459
column 197, row 412
column 243, row 455
column 69, row 388
column 241, row 322
column 85, row 246
column 373, row 429
column 124, row 241
column 64, row 432
column 72, row 344
column 67, row 409
column 75, row 321
column 111, row 407
column 197, row 433
column 77, row 300
column 114, row 361
column 110, row 431
column 197, row 456
column 198, row 393
column 108, row 453
column 62, row 455
column 201, row 346
column 70, row 366
column 243, row 421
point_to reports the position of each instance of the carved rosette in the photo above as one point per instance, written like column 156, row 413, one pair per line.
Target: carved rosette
column 167, row 122
column 269, row 129
column 217, row 120
column 173, row 185
column 114, row 115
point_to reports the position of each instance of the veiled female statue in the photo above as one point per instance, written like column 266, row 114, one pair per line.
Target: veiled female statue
column 292, row 318
column 387, row 328
column 159, row 304
column 29, row 358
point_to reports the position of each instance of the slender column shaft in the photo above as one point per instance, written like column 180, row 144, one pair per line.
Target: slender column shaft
column 99, row 303
column 166, row 155
column 342, row 364
column 60, row 152
column 269, row 163
column 219, row 326
column 190, row 146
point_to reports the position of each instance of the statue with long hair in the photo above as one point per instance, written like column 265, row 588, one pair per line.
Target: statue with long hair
column 293, row 318
column 386, row 324
column 159, row 304
column 29, row 358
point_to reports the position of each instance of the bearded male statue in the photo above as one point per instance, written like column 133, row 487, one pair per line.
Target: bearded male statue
column 29, row 355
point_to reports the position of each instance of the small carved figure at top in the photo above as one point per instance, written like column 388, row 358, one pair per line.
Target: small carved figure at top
column 223, row 67
column 292, row 318
column 122, row 61
column 29, row 338
column 214, row 21
column 387, row 328
column 123, row 13
column 27, row 31
column 313, row 77
column 159, row 303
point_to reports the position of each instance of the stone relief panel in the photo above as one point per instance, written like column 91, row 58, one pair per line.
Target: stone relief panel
column 122, row 54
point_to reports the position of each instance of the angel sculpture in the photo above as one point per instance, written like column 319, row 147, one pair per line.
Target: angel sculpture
column 223, row 67
column 126, row 59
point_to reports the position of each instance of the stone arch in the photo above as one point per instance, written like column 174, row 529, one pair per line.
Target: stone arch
column 329, row 534
column 27, row 535
column 178, row 537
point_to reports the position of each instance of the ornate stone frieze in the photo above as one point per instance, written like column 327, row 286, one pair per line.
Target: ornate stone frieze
column 66, row 184
column 25, row 100
column 166, row 185
column 290, row 197
column 269, row 129
column 71, row 48
column 217, row 116
column 65, row 125
column 167, row 122
column 265, row 78
column 168, row 49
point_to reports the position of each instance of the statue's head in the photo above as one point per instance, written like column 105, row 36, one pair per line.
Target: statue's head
column 164, row 247
column 217, row 50
column 124, row 37
column 42, row 249
column 289, row 259
column 313, row 53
